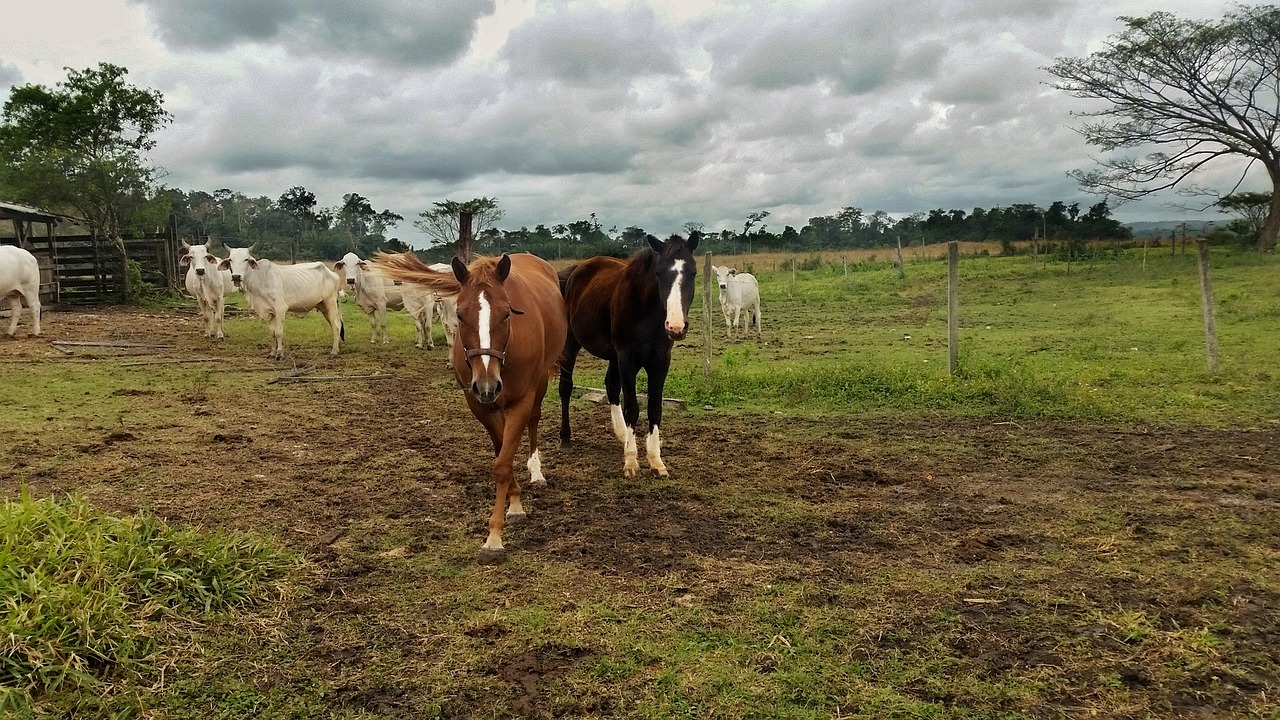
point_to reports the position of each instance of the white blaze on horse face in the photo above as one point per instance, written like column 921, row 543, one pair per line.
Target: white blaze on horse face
column 675, row 300
column 482, row 324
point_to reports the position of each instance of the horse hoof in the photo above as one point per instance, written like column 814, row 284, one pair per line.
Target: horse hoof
column 490, row 557
column 516, row 518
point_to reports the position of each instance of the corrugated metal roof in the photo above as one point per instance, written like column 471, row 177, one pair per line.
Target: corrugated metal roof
column 22, row 212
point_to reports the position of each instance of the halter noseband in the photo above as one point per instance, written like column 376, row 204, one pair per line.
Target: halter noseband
column 501, row 355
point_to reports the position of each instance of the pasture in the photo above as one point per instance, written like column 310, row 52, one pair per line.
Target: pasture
column 1083, row 523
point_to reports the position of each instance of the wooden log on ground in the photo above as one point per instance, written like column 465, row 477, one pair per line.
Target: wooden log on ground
column 598, row 395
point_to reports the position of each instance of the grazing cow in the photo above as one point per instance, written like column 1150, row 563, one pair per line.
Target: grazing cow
column 373, row 293
column 20, row 280
column 208, row 285
column 273, row 290
column 739, row 292
column 423, row 304
column 447, row 308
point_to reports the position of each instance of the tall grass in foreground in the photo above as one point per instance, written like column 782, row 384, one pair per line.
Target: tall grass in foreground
column 87, row 600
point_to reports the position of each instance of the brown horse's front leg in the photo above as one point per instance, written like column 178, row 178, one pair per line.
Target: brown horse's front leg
column 506, row 487
column 625, row 419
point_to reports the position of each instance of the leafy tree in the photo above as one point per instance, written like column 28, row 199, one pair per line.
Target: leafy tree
column 442, row 221
column 1251, row 207
column 300, row 205
column 81, row 146
column 1197, row 91
column 364, row 227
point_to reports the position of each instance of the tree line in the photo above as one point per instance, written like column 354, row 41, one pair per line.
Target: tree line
column 1198, row 90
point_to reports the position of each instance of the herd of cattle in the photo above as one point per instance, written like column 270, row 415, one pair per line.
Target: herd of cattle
column 273, row 290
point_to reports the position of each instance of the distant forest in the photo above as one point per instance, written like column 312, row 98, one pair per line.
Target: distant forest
column 295, row 227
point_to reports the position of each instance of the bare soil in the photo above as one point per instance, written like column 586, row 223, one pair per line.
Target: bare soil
column 1042, row 527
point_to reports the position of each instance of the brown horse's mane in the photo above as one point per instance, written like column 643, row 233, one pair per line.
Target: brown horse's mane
column 483, row 270
column 641, row 264
column 406, row 267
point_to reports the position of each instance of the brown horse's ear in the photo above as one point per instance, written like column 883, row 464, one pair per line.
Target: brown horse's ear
column 654, row 243
column 694, row 237
column 504, row 268
column 460, row 270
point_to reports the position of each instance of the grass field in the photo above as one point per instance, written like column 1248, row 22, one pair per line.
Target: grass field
column 1083, row 522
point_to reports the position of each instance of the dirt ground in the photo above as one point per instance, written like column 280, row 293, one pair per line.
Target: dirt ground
column 329, row 466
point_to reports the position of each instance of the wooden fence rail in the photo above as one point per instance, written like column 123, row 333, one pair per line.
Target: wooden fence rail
column 83, row 269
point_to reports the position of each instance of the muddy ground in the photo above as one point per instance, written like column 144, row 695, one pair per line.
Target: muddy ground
column 332, row 467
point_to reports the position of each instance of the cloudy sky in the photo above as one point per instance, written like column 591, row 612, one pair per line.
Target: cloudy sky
column 648, row 113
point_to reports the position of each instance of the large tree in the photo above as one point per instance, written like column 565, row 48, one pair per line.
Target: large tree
column 80, row 146
column 1191, row 91
column 443, row 221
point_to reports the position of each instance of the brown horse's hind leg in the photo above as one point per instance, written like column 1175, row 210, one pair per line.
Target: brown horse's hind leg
column 567, row 359
column 536, row 478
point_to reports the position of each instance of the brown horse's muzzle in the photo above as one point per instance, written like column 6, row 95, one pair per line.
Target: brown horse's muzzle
column 486, row 389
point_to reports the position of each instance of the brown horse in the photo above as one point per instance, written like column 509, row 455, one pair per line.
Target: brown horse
column 511, row 330
column 629, row 312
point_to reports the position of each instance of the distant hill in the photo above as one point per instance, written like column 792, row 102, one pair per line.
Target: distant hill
column 1164, row 228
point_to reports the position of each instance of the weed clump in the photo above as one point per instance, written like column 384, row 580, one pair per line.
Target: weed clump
column 87, row 599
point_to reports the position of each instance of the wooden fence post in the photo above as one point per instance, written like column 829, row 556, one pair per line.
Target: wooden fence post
column 953, row 305
column 902, row 272
column 1206, row 306
column 706, row 306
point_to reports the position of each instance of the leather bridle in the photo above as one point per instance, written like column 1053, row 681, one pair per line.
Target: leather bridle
column 501, row 355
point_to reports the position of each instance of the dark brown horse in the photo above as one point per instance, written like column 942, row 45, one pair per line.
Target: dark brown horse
column 511, row 330
column 629, row 312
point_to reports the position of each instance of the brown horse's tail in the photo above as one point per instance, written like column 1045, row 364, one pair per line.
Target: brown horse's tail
column 405, row 267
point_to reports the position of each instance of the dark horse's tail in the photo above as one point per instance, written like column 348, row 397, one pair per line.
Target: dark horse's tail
column 563, row 276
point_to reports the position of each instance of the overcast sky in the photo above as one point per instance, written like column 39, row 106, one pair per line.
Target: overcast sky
column 648, row 113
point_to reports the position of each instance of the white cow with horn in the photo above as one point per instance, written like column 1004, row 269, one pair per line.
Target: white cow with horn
column 274, row 290
column 207, row 284
column 739, row 292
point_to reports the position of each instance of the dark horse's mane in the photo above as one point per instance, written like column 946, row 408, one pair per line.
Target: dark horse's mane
column 640, row 266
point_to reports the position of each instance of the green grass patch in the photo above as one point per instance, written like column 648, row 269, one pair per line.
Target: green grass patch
column 92, row 603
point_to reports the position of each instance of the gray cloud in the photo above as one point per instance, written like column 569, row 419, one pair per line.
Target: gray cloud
column 402, row 32
column 10, row 76
column 591, row 46
column 642, row 114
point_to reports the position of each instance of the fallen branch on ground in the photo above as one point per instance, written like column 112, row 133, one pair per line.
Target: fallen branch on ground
column 107, row 343
column 598, row 395
column 328, row 378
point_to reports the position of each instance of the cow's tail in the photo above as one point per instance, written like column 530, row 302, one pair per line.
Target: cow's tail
column 342, row 330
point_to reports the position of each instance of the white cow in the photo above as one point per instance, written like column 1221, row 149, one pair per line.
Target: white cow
column 447, row 308
column 20, row 280
column 274, row 290
column 422, row 305
column 208, row 285
column 739, row 292
column 373, row 293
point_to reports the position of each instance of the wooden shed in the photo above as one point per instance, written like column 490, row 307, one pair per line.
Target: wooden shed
column 83, row 268
column 25, row 220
